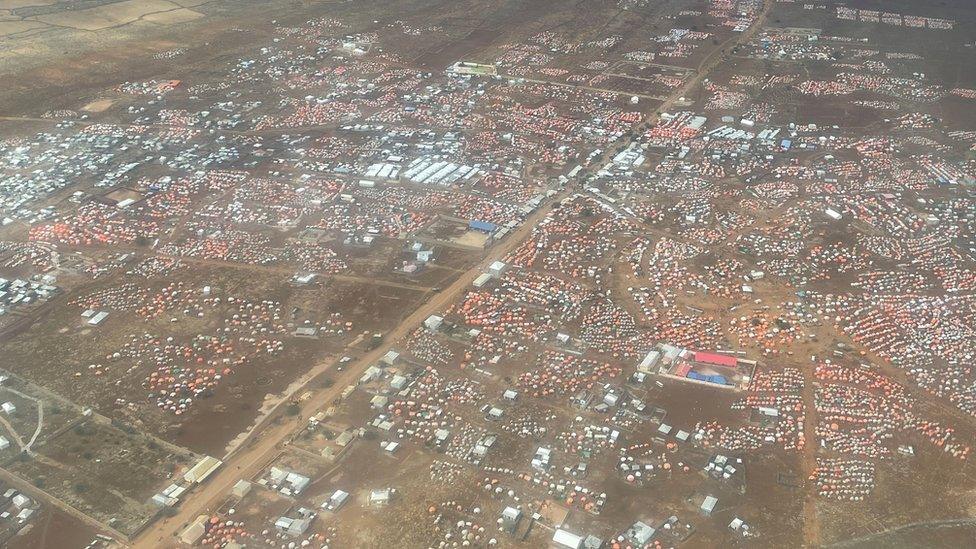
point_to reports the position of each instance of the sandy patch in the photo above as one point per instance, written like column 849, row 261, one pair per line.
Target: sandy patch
column 181, row 15
column 14, row 27
column 111, row 15
column 191, row 3
column 472, row 238
column 14, row 4
column 98, row 106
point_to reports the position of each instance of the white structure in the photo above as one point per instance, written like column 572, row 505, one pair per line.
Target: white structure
column 433, row 322
column 565, row 538
column 497, row 269
column 336, row 500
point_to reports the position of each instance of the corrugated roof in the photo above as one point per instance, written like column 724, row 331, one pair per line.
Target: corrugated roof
column 713, row 358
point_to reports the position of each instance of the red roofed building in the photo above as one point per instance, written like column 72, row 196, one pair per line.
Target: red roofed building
column 717, row 359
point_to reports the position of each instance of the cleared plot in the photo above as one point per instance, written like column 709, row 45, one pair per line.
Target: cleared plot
column 15, row 4
column 113, row 15
column 181, row 15
column 102, row 471
column 8, row 28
